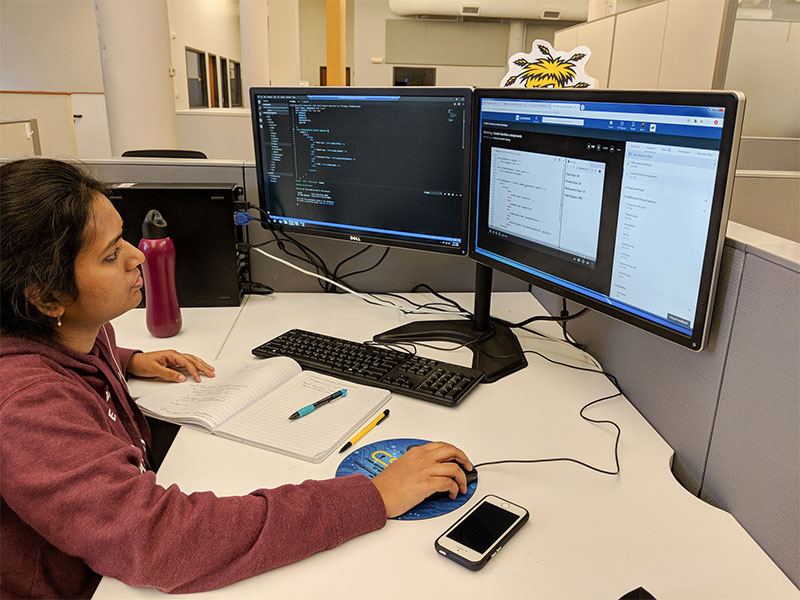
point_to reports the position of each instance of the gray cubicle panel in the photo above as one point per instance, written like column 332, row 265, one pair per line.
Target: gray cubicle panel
column 753, row 468
column 399, row 272
column 160, row 170
column 674, row 388
column 732, row 411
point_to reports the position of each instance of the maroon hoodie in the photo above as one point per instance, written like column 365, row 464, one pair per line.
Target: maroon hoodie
column 78, row 499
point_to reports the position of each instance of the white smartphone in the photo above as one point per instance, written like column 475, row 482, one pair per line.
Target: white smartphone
column 478, row 535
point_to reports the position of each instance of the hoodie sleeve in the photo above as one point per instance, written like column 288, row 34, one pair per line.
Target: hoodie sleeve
column 124, row 355
column 60, row 465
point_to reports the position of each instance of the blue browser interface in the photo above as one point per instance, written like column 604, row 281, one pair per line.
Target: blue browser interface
column 609, row 200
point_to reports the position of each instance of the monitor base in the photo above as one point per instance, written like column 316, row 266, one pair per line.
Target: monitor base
column 495, row 351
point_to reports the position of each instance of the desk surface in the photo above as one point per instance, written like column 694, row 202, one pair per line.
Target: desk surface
column 590, row 535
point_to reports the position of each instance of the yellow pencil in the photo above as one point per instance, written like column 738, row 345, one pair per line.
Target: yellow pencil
column 378, row 420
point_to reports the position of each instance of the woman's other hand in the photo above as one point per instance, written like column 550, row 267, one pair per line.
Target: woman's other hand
column 162, row 364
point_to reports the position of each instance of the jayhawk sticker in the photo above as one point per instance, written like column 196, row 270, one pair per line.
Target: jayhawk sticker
column 544, row 67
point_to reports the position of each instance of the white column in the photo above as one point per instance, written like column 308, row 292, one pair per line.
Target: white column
column 136, row 60
column 254, row 33
column 516, row 37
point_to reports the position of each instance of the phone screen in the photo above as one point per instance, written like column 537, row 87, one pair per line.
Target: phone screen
column 483, row 527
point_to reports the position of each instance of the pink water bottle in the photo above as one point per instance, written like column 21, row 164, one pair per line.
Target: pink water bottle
column 162, row 310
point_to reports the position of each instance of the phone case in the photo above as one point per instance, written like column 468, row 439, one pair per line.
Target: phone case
column 476, row 566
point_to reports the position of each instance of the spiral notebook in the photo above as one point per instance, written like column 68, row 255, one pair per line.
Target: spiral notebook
column 251, row 402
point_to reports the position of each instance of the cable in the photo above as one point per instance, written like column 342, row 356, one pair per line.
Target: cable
column 255, row 287
column 559, row 319
column 614, row 382
column 434, row 306
column 565, row 312
column 364, row 297
column 351, row 273
column 349, row 258
column 450, row 301
column 311, row 257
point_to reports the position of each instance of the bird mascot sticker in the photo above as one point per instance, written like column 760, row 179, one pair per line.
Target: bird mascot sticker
column 544, row 67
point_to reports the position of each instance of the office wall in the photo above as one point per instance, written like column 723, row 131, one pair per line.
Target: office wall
column 284, row 42
column 313, row 49
column 54, row 115
column 222, row 133
column 596, row 35
column 637, row 48
column 732, row 411
column 766, row 192
column 18, row 138
column 370, row 43
column 91, row 125
column 769, row 201
column 765, row 64
column 49, row 45
column 671, row 44
column 313, row 40
column 211, row 26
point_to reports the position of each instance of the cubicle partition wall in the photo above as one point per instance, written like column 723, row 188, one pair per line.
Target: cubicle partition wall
column 731, row 412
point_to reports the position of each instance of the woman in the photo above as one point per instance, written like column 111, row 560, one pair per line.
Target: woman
column 79, row 499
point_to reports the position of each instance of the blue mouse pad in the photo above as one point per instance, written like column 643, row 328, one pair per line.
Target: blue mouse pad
column 373, row 458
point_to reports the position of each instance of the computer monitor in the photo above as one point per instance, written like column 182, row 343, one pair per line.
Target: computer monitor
column 387, row 166
column 615, row 199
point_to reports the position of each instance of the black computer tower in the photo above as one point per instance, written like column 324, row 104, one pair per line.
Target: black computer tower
column 209, row 270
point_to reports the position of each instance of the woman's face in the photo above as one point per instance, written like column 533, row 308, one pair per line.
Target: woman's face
column 106, row 271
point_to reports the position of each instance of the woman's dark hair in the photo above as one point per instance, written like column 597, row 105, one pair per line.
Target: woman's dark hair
column 45, row 205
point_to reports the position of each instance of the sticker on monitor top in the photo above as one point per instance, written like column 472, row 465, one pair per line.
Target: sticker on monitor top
column 372, row 459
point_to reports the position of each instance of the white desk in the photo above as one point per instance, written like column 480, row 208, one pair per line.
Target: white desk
column 590, row 535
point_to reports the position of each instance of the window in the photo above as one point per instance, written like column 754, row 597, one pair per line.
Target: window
column 223, row 69
column 235, row 77
column 414, row 76
column 212, row 80
column 196, row 78
column 323, row 76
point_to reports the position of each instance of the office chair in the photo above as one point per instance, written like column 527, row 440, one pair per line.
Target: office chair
column 165, row 153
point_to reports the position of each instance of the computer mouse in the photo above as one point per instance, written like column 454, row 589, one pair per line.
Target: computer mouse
column 470, row 475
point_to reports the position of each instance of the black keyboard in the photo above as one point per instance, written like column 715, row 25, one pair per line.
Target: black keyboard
column 402, row 372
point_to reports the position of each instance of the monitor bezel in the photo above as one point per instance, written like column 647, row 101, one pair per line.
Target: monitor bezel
column 366, row 238
column 732, row 101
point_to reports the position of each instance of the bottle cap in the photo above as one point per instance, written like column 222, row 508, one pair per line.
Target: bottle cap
column 154, row 226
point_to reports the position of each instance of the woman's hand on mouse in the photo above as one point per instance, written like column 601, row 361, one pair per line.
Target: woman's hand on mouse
column 419, row 473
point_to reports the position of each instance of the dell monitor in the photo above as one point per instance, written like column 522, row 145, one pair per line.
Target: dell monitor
column 615, row 199
column 386, row 166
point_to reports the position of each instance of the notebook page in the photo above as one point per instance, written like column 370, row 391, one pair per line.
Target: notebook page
column 214, row 400
column 314, row 437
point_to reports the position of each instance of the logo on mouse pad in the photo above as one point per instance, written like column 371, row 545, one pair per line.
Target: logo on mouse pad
column 372, row 459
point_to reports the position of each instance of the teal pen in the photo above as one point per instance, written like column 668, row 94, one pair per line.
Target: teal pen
column 302, row 412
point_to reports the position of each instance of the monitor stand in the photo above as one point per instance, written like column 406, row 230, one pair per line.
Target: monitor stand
column 495, row 348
